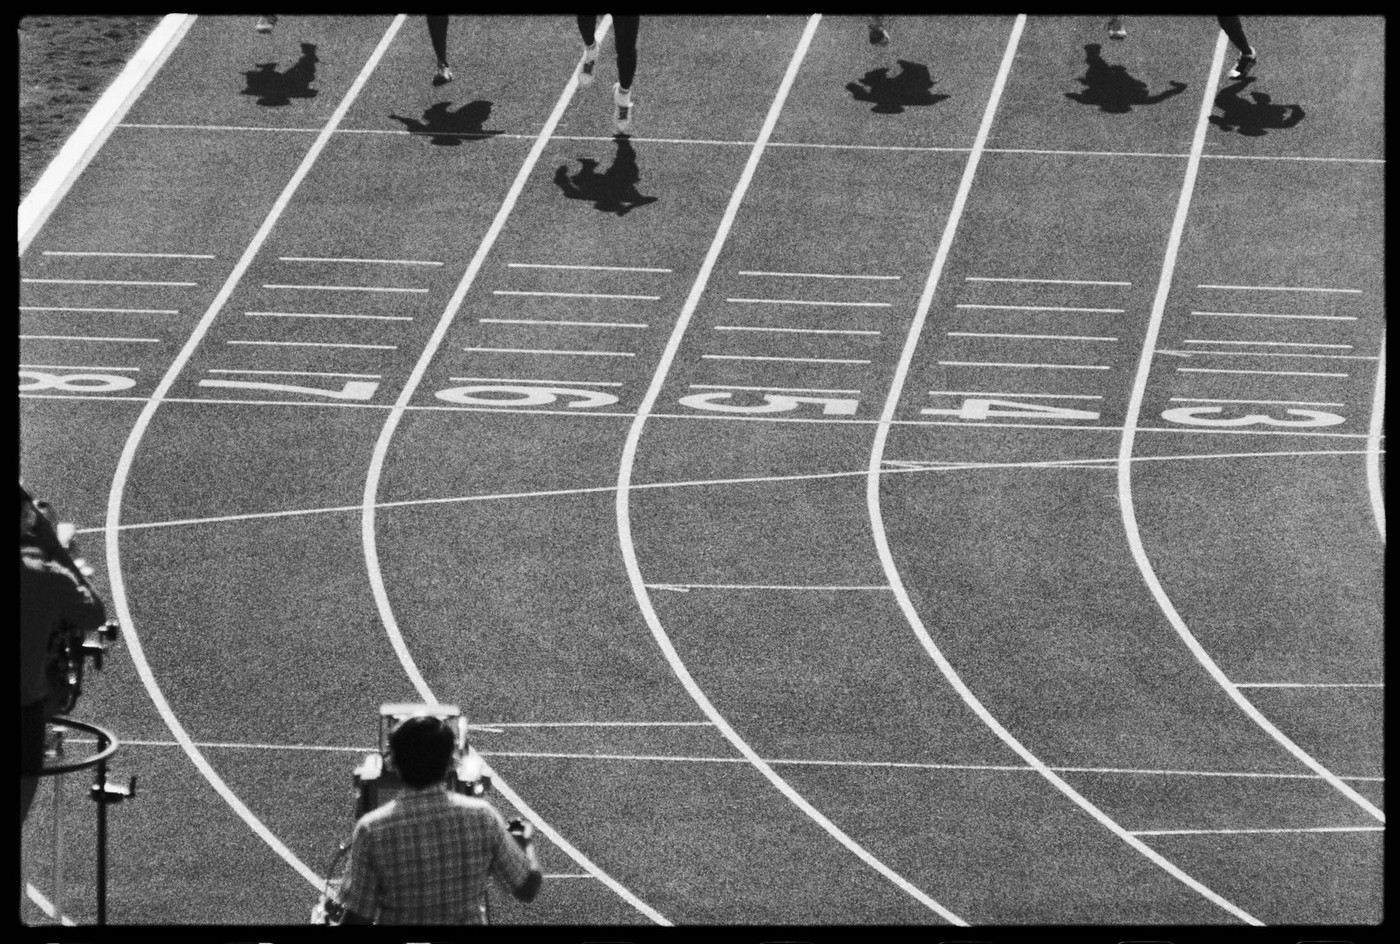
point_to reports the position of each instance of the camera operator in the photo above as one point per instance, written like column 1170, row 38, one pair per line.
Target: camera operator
column 56, row 611
column 426, row 857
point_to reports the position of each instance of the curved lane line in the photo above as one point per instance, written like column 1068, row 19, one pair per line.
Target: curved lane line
column 624, row 487
column 878, row 525
column 128, row 456
column 1125, row 465
column 1373, row 446
column 381, row 451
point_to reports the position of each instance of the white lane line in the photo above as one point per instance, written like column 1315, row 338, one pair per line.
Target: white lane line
column 1309, row 685
column 1282, row 288
column 790, row 360
column 1256, row 314
column 1017, row 364
column 73, row 337
column 523, row 380
column 792, row 330
column 978, row 278
column 1082, row 153
column 682, row 587
column 371, row 347
column 311, row 314
column 627, row 463
column 1269, row 343
column 644, row 298
column 410, row 262
column 1259, row 402
column 292, row 373
column 116, row 578
column 1032, row 337
column 70, row 367
column 528, row 350
column 1103, row 311
column 128, row 255
column 590, row 268
column 820, row 275
column 347, row 288
column 983, row 393
column 1125, row 465
column 910, row 466
column 108, row 282
column 1263, row 157
column 1271, row 373
column 1325, row 357
column 102, row 118
column 771, row 389
column 797, row 301
column 1225, row 832
column 1373, row 445
column 602, row 724
column 47, row 907
column 579, row 324
column 115, row 311
column 369, row 502
column 875, row 471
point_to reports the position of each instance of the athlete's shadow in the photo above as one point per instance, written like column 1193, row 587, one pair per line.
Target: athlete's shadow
column 912, row 86
column 614, row 190
column 275, row 88
column 1252, row 118
column 1112, row 89
column 450, row 127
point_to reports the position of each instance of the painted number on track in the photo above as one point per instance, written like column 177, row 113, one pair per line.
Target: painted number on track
column 73, row 382
column 523, row 395
column 981, row 408
column 773, row 403
column 352, row 390
column 1210, row 416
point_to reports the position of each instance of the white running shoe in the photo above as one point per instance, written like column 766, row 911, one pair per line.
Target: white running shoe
column 1115, row 28
column 265, row 24
column 585, row 69
column 624, row 107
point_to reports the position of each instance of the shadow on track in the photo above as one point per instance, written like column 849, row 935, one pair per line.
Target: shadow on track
column 1112, row 88
column 911, row 87
column 275, row 89
column 614, row 190
column 450, row 127
column 1252, row 118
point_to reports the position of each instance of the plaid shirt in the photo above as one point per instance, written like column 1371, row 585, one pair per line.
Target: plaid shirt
column 425, row 858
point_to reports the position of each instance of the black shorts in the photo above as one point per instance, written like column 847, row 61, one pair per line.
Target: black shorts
column 31, row 739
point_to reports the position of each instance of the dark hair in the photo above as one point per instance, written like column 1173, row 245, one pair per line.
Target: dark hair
column 422, row 749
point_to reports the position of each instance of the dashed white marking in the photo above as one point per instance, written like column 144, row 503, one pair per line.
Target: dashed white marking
column 527, row 350
column 1326, row 357
column 771, row 389
column 983, row 393
column 1309, row 685
column 1222, row 832
column 1030, row 337
column 644, row 298
column 1373, row 445
column 1082, row 153
column 1103, row 311
column 1262, row 402
column 1269, row 343
column 317, row 314
column 347, row 288
column 1013, row 364
column 602, row 268
column 71, row 367
column 292, row 373
column 74, row 337
column 798, row 301
column 411, row 262
column 579, row 324
column 109, row 282
column 1256, row 314
column 115, row 311
column 1272, row 373
column 524, row 380
column 372, row 347
column 128, row 255
column 979, row 278
column 793, row 330
column 1282, row 288
column 790, row 360
column 820, row 275
column 755, row 586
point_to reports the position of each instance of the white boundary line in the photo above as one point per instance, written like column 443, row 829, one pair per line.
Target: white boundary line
column 381, row 450
column 1373, row 446
column 98, row 125
column 873, row 479
column 624, row 490
column 1125, row 465
column 128, row 457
